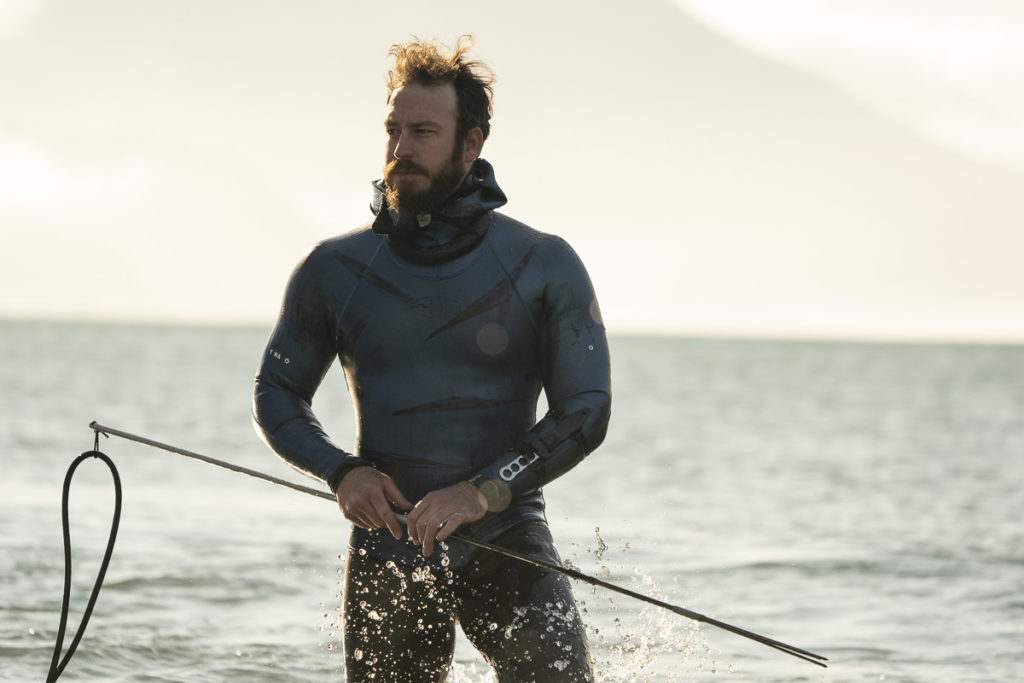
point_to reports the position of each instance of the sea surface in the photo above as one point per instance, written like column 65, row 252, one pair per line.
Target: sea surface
column 862, row 501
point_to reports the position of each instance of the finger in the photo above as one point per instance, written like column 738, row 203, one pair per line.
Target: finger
column 394, row 494
column 351, row 513
column 381, row 515
column 369, row 519
column 410, row 527
column 428, row 541
column 366, row 514
column 422, row 529
column 393, row 525
column 359, row 520
column 449, row 526
column 415, row 522
column 439, row 532
column 425, row 530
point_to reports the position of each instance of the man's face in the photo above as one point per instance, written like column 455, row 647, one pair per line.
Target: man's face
column 425, row 163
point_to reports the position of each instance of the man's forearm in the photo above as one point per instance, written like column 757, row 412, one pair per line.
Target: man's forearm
column 554, row 446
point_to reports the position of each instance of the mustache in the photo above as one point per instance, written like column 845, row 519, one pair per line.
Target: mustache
column 404, row 166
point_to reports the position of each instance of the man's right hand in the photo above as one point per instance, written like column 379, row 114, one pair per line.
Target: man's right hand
column 364, row 496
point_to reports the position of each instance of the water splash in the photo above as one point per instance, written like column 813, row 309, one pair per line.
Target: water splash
column 601, row 545
column 631, row 645
column 628, row 643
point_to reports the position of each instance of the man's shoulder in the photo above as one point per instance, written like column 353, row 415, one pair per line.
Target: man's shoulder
column 352, row 244
column 512, row 230
column 355, row 239
column 348, row 249
column 511, row 233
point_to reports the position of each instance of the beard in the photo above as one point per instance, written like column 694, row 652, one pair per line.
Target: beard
column 415, row 202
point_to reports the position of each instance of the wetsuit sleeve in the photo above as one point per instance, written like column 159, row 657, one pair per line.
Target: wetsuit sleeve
column 577, row 384
column 298, row 355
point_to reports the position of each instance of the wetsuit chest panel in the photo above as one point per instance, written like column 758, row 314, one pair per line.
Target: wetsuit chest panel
column 442, row 371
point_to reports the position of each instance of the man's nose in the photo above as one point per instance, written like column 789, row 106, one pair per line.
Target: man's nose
column 404, row 148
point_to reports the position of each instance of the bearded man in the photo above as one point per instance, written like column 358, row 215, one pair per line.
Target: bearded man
column 448, row 318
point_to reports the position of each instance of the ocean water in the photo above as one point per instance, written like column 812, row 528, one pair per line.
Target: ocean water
column 863, row 501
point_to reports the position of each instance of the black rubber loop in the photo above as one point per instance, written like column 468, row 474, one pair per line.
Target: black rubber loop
column 57, row 668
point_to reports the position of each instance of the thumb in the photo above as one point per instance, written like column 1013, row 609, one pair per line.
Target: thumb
column 395, row 495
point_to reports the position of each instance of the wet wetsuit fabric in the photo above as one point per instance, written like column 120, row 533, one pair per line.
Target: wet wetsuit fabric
column 523, row 619
column 447, row 328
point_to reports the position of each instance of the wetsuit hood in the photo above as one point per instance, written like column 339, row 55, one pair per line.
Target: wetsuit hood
column 452, row 230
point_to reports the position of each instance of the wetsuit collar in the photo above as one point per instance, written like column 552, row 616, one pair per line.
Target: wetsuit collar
column 449, row 232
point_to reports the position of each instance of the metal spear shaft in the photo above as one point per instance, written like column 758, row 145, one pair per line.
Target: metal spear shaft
column 567, row 571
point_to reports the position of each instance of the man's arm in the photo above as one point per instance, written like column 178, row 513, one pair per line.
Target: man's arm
column 297, row 357
column 577, row 382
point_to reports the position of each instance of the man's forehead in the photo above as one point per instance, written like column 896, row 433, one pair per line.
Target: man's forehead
column 423, row 101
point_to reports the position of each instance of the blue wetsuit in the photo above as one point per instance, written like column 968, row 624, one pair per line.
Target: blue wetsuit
column 447, row 327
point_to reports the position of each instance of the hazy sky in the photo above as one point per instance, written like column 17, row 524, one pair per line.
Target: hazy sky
column 839, row 168
column 954, row 69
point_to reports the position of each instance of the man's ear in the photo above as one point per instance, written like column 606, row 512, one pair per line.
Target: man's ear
column 471, row 145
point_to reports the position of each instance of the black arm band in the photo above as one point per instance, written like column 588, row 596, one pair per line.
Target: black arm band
column 555, row 450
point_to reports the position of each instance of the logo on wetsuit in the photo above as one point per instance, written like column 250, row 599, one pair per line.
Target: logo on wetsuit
column 516, row 467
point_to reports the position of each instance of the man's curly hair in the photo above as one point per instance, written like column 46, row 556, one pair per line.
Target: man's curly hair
column 423, row 63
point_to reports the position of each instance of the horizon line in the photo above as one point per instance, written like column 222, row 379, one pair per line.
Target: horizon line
column 808, row 334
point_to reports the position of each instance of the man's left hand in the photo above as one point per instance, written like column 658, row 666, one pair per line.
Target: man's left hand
column 441, row 512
